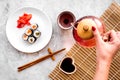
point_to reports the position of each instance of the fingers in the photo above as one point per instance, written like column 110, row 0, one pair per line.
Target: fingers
column 107, row 33
column 106, row 36
column 111, row 35
column 118, row 34
column 115, row 40
column 97, row 35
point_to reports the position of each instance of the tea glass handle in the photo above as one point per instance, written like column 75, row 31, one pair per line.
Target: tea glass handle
column 72, row 24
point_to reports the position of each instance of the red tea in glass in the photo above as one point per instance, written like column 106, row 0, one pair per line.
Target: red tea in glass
column 65, row 19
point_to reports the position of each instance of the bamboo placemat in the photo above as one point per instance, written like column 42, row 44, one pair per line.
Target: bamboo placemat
column 85, row 58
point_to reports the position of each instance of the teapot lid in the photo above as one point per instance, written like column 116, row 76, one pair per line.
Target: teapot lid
column 84, row 28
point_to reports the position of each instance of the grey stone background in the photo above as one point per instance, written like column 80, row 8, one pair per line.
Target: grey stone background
column 10, row 58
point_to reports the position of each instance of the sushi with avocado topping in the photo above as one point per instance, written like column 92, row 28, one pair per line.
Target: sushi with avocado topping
column 37, row 33
column 31, row 39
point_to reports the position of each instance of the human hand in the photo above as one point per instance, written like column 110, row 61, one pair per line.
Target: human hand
column 118, row 35
column 105, row 51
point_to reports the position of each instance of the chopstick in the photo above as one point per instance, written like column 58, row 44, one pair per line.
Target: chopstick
column 38, row 60
column 50, row 52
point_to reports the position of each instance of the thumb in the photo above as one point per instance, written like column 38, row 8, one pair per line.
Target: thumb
column 96, row 35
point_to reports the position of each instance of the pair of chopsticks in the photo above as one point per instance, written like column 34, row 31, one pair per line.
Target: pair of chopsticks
column 38, row 60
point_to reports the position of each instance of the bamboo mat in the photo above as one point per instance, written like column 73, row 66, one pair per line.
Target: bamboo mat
column 85, row 58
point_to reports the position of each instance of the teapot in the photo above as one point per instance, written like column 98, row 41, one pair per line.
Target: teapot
column 82, row 30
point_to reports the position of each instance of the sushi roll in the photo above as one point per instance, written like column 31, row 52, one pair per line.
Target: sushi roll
column 34, row 26
column 31, row 39
column 37, row 33
column 25, row 37
column 28, row 32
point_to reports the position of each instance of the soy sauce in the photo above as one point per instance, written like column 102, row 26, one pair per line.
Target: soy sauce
column 67, row 65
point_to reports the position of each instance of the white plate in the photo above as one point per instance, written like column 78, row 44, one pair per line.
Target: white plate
column 14, row 34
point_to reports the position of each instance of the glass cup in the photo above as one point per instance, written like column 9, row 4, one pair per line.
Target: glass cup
column 65, row 19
